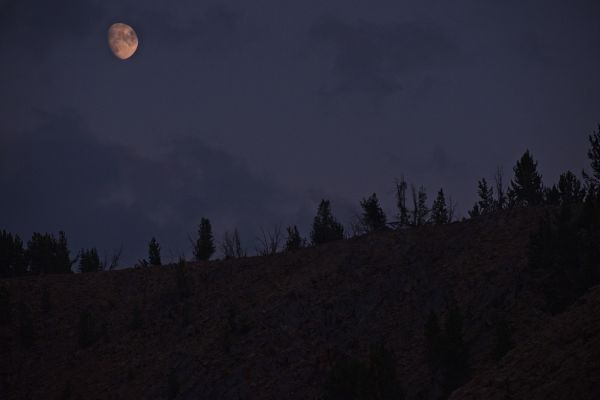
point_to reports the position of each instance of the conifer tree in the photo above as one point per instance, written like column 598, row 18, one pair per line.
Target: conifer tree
column 551, row 196
column 420, row 210
column 500, row 196
column 325, row 227
column 48, row 255
column 89, row 261
column 205, row 246
column 526, row 187
column 486, row 197
column 373, row 217
column 401, row 187
column 439, row 209
column 12, row 255
column 154, row 252
column 570, row 190
column 293, row 241
column 594, row 156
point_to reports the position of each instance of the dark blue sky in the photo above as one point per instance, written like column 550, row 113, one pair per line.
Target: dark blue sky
column 249, row 112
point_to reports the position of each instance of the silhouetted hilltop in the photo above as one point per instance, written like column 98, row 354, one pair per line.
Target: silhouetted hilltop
column 274, row 327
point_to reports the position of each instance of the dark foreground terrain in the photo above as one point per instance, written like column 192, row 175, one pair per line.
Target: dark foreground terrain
column 273, row 327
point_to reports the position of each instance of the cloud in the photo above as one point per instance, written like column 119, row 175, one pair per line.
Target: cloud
column 61, row 177
column 38, row 22
column 372, row 59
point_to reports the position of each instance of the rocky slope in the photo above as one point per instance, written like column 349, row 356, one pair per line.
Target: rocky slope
column 271, row 327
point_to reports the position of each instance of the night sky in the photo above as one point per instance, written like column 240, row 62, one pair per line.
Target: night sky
column 250, row 112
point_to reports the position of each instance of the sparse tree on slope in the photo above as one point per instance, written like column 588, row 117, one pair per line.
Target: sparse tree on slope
column 373, row 217
column 154, row 252
column 232, row 245
column 570, row 190
column 485, row 204
column 12, row 256
column 439, row 210
column 205, row 246
column 48, row 255
column 325, row 227
column 89, row 261
column 594, row 156
column 294, row 240
column 420, row 210
column 401, row 187
column 526, row 188
column 500, row 196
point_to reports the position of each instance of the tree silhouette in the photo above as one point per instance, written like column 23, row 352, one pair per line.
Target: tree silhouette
column 48, row 255
column 439, row 209
column 269, row 241
column 294, row 240
column 373, row 218
column 420, row 210
column 594, row 156
column 401, row 187
column 570, row 190
column 13, row 261
column 325, row 227
column 205, row 246
column 526, row 188
column 154, row 252
column 232, row 245
column 89, row 260
column 500, row 196
column 486, row 202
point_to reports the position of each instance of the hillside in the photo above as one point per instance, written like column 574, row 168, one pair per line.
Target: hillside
column 272, row 327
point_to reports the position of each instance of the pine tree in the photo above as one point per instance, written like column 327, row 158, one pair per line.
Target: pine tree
column 475, row 212
column 63, row 258
column 154, row 252
column 48, row 255
column 325, row 227
column 89, row 260
column 401, row 187
column 594, row 156
column 373, row 217
column 439, row 209
column 486, row 197
column 420, row 210
column 205, row 246
column 12, row 255
column 293, row 241
column 570, row 190
column 526, row 187
column 551, row 196
column 500, row 197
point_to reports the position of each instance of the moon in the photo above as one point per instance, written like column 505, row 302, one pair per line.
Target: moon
column 122, row 40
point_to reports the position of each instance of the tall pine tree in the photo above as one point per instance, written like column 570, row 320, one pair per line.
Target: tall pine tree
column 373, row 217
column 154, row 252
column 526, row 188
column 205, row 244
column 325, row 227
column 89, row 261
column 403, row 214
column 439, row 209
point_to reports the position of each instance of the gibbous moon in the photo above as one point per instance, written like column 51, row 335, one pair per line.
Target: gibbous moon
column 122, row 40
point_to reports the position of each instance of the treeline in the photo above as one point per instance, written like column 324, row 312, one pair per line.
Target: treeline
column 45, row 253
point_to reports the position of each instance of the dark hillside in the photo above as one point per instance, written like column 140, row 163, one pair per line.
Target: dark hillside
column 273, row 327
